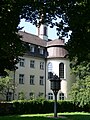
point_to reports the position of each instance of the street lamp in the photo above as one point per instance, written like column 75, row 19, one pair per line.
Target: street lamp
column 55, row 87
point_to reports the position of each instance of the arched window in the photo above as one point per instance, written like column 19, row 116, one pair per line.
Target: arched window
column 61, row 96
column 50, row 73
column 50, row 96
column 61, row 70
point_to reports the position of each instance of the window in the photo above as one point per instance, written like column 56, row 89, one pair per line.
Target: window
column 31, row 79
column 41, row 50
column 32, row 48
column 42, row 65
column 21, row 96
column 41, row 94
column 61, row 96
column 32, row 63
column 21, row 78
column 31, row 95
column 22, row 62
column 50, row 73
column 45, row 31
column 50, row 96
column 41, row 80
column 8, row 96
column 61, row 70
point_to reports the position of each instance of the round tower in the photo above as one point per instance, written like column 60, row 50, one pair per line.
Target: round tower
column 58, row 63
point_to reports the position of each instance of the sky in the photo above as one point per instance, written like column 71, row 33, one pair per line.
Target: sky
column 30, row 28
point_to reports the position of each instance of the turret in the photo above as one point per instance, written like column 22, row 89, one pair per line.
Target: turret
column 42, row 32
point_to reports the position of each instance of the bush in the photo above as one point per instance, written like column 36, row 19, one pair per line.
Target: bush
column 40, row 106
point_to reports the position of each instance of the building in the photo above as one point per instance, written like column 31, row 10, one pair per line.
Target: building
column 44, row 58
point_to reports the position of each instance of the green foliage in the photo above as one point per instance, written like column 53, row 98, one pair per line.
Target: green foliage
column 39, row 107
column 6, row 85
column 10, row 43
column 80, row 91
column 21, row 96
column 81, row 70
column 79, row 21
column 43, row 106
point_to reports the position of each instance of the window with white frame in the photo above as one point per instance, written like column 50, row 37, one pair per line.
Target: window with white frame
column 50, row 96
column 22, row 62
column 41, row 82
column 50, row 73
column 61, row 96
column 31, row 94
column 41, row 50
column 32, row 48
column 32, row 64
column 61, row 70
column 21, row 78
column 42, row 65
column 32, row 79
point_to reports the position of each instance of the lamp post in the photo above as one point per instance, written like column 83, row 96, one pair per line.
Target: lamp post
column 55, row 87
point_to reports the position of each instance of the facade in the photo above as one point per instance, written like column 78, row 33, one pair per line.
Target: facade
column 42, row 60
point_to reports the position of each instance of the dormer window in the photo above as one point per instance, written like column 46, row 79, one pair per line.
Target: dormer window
column 32, row 48
column 41, row 51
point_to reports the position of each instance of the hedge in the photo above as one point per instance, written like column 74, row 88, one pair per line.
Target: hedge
column 38, row 106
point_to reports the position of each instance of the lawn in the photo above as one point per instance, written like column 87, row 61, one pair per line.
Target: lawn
column 61, row 116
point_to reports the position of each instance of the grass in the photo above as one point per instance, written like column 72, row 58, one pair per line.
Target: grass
column 61, row 116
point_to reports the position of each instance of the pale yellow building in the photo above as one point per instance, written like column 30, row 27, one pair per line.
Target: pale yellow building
column 43, row 59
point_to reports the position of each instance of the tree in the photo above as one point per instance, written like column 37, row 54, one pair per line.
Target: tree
column 78, row 48
column 10, row 43
column 6, row 87
column 78, row 45
column 80, row 91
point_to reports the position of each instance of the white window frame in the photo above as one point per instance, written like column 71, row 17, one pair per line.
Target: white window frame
column 42, row 65
column 50, row 96
column 21, row 78
column 22, row 62
column 61, row 96
column 61, row 70
column 32, row 79
column 32, row 48
column 41, row 82
column 32, row 63
column 41, row 50
column 50, row 73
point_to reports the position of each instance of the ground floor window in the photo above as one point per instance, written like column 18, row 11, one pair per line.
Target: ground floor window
column 61, row 96
column 31, row 94
column 50, row 96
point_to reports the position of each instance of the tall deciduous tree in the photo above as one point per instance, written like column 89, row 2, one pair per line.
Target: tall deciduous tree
column 79, row 21
column 80, row 91
column 10, row 43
